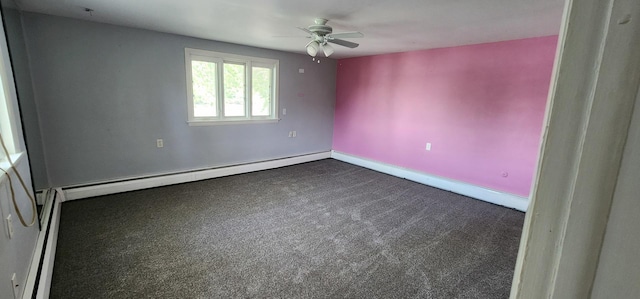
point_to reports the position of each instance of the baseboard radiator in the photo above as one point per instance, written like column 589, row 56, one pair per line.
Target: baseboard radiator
column 481, row 193
column 40, row 273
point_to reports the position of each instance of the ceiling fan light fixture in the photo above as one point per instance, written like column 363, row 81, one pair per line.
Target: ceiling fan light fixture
column 328, row 50
column 320, row 34
column 312, row 48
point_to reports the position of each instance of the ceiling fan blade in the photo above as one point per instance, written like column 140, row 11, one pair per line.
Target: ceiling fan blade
column 291, row 36
column 305, row 30
column 353, row 34
column 344, row 43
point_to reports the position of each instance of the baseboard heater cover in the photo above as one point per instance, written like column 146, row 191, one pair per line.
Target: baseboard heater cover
column 496, row 197
column 38, row 282
column 139, row 183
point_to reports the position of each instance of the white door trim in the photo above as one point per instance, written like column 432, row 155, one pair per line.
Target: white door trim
column 592, row 95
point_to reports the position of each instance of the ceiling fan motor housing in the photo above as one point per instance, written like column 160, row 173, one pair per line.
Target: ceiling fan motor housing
column 321, row 28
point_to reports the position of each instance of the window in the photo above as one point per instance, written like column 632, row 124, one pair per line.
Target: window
column 7, row 129
column 226, row 88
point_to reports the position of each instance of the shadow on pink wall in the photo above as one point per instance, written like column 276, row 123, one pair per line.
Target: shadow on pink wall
column 481, row 107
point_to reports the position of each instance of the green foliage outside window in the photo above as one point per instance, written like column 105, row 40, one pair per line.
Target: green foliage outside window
column 261, row 95
column 204, row 88
column 234, row 89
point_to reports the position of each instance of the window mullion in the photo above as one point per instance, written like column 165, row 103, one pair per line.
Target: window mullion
column 220, row 91
column 249, row 89
column 272, row 93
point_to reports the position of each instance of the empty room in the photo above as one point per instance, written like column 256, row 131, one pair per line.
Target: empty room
column 319, row 149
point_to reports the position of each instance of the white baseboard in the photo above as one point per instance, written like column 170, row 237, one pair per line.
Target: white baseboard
column 500, row 198
column 46, row 274
column 105, row 188
column 43, row 285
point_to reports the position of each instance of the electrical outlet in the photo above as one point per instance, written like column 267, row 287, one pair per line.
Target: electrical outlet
column 159, row 143
column 428, row 147
column 9, row 226
column 294, row 134
column 15, row 286
column 284, row 111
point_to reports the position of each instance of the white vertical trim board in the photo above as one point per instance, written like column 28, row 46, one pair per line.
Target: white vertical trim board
column 592, row 97
column 139, row 183
column 31, row 282
column 46, row 252
column 500, row 198
column 46, row 274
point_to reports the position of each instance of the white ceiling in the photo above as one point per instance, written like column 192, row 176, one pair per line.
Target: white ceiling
column 389, row 26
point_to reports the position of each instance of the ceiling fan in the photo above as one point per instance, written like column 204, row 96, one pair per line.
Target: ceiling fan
column 321, row 36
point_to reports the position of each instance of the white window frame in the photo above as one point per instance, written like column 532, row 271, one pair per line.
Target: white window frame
column 249, row 62
column 8, row 96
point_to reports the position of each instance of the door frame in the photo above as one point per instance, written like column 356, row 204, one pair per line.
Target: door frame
column 594, row 85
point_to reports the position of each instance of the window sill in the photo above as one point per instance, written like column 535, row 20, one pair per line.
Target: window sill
column 197, row 123
column 4, row 164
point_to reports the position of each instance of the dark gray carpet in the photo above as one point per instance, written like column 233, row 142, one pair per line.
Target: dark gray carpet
column 323, row 229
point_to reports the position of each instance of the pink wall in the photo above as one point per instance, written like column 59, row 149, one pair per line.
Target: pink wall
column 480, row 106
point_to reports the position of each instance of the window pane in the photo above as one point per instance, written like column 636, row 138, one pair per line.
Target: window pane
column 261, row 91
column 234, row 89
column 5, row 124
column 203, row 74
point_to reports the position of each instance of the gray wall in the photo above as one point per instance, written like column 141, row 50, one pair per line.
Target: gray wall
column 20, row 64
column 105, row 93
column 15, row 253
